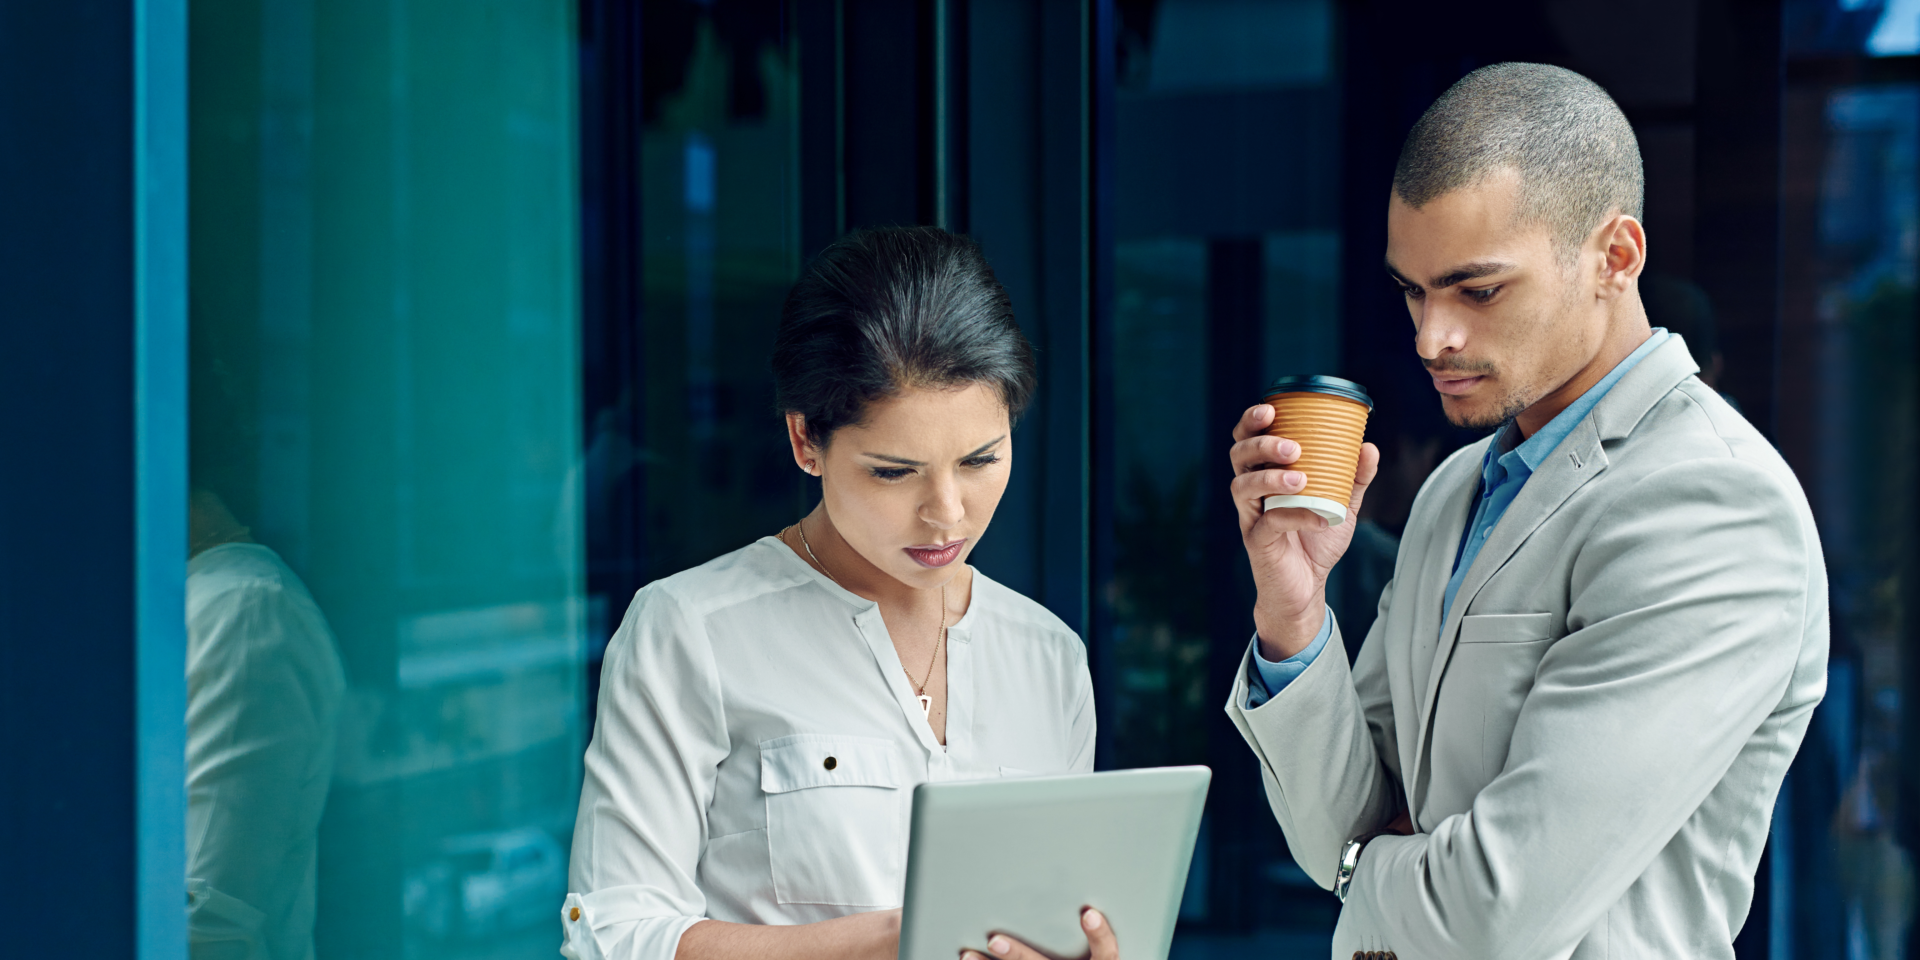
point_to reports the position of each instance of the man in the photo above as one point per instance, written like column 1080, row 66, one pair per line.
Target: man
column 1607, row 627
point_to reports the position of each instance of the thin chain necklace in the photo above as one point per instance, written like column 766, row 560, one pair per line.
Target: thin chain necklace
column 919, row 689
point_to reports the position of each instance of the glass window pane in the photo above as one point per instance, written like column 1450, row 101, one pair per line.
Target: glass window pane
column 1227, row 259
column 1840, row 869
column 720, row 247
column 386, row 621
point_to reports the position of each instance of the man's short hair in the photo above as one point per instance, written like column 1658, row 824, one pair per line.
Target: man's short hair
column 1575, row 153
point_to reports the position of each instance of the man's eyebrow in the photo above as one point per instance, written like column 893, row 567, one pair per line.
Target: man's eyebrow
column 903, row 461
column 1470, row 271
column 1460, row 274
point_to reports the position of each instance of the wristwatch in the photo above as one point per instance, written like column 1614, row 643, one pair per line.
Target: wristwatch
column 1349, row 859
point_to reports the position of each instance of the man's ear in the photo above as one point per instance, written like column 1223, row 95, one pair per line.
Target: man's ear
column 1622, row 240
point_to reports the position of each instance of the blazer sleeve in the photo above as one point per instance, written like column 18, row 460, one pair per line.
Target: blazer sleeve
column 1325, row 797
column 1690, row 608
column 657, row 746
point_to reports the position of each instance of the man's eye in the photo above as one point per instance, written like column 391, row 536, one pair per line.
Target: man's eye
column 1412, row 293
column 890, row 473
column 1481, row 296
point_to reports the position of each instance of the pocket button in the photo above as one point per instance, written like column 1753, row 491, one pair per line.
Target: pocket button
column 830, row 763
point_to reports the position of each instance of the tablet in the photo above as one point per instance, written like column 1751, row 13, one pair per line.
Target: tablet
column 1022, row 855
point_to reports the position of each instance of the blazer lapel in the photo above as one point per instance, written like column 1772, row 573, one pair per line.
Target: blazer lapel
column 1429, row 592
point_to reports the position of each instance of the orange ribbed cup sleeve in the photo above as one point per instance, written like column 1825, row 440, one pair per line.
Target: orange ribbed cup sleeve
column 1329, row 430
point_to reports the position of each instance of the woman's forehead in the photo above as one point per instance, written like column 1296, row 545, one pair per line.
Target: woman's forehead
column 937, row 422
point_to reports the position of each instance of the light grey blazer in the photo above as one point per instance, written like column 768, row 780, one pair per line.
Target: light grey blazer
column 1592, row 742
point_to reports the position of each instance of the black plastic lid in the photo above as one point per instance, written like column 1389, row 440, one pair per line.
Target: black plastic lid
column 1309, row 384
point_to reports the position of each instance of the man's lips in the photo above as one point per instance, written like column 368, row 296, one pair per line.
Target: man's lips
column 1453, row 384
column 936, row 556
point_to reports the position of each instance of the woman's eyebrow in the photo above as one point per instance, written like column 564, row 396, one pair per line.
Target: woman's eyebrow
column 983, row 448
column 903, row 461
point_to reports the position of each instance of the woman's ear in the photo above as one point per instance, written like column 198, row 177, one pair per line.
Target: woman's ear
column 805, row 455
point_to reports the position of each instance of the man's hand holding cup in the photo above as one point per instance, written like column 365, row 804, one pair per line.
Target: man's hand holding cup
column 1291, row 549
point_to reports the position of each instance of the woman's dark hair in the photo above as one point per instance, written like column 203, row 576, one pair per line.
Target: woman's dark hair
column 883, row 310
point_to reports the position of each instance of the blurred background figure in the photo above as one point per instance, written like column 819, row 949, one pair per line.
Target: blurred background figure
column 1682, row 307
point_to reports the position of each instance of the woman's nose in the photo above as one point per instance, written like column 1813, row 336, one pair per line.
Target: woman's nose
column 943, row 508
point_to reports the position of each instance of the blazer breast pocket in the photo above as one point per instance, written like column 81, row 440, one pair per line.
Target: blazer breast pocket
column 836, row 823
column 1487, row 680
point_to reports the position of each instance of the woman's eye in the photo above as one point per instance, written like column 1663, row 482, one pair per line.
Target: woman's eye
column 890, row 473
column 987, row 460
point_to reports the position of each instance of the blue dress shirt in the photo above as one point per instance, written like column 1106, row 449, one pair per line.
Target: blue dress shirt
column 1509, row 462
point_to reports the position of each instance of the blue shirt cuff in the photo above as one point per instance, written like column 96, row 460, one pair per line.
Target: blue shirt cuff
column 1267, row 678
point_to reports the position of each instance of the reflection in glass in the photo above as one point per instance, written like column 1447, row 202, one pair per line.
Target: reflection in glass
column 264, row 686
column 387, row 601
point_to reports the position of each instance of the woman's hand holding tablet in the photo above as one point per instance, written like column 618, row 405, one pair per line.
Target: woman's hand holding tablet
column 1101, row 944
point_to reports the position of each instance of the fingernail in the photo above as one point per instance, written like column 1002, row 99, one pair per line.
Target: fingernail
column 1092, row 919
column 1000, row 945
column 1289, row 449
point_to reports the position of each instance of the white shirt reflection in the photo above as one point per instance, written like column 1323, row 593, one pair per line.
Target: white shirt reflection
column 264, row 686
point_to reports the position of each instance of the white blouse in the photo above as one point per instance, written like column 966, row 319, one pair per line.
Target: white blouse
column 758, row 745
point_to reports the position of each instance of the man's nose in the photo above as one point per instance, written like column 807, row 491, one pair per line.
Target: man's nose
column 1436, row 331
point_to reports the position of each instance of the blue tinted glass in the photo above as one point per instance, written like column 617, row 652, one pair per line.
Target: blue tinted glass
column 387, row 630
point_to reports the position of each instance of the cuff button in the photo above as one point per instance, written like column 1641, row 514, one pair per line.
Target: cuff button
column 573, row 914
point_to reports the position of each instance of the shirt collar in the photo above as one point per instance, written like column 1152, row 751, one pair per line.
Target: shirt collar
column 1534, row 450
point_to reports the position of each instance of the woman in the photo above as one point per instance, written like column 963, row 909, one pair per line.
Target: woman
column 765, row 717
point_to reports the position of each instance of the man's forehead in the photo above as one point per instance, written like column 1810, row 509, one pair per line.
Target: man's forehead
column 1462, row 235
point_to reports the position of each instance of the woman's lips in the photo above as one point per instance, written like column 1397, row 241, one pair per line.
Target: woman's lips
column 1455, row 386
column 936, row 556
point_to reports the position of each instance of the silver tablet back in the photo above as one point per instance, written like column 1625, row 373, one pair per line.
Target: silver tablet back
column 1022, row 855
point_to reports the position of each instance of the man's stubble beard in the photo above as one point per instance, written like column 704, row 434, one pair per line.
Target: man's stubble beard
column 1511, row 406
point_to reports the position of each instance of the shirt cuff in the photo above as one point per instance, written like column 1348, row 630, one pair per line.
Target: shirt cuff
column 597, row 930
column 1265, row 678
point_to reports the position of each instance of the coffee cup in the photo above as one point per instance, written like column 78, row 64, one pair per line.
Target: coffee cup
column 1327, row 417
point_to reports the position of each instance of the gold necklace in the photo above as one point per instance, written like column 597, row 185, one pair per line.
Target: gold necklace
column 920, row 689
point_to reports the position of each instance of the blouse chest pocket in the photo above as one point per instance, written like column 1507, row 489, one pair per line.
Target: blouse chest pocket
column 836, row 820
column 1486, row 683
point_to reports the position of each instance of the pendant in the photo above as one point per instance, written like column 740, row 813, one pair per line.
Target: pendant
column 926, row 706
